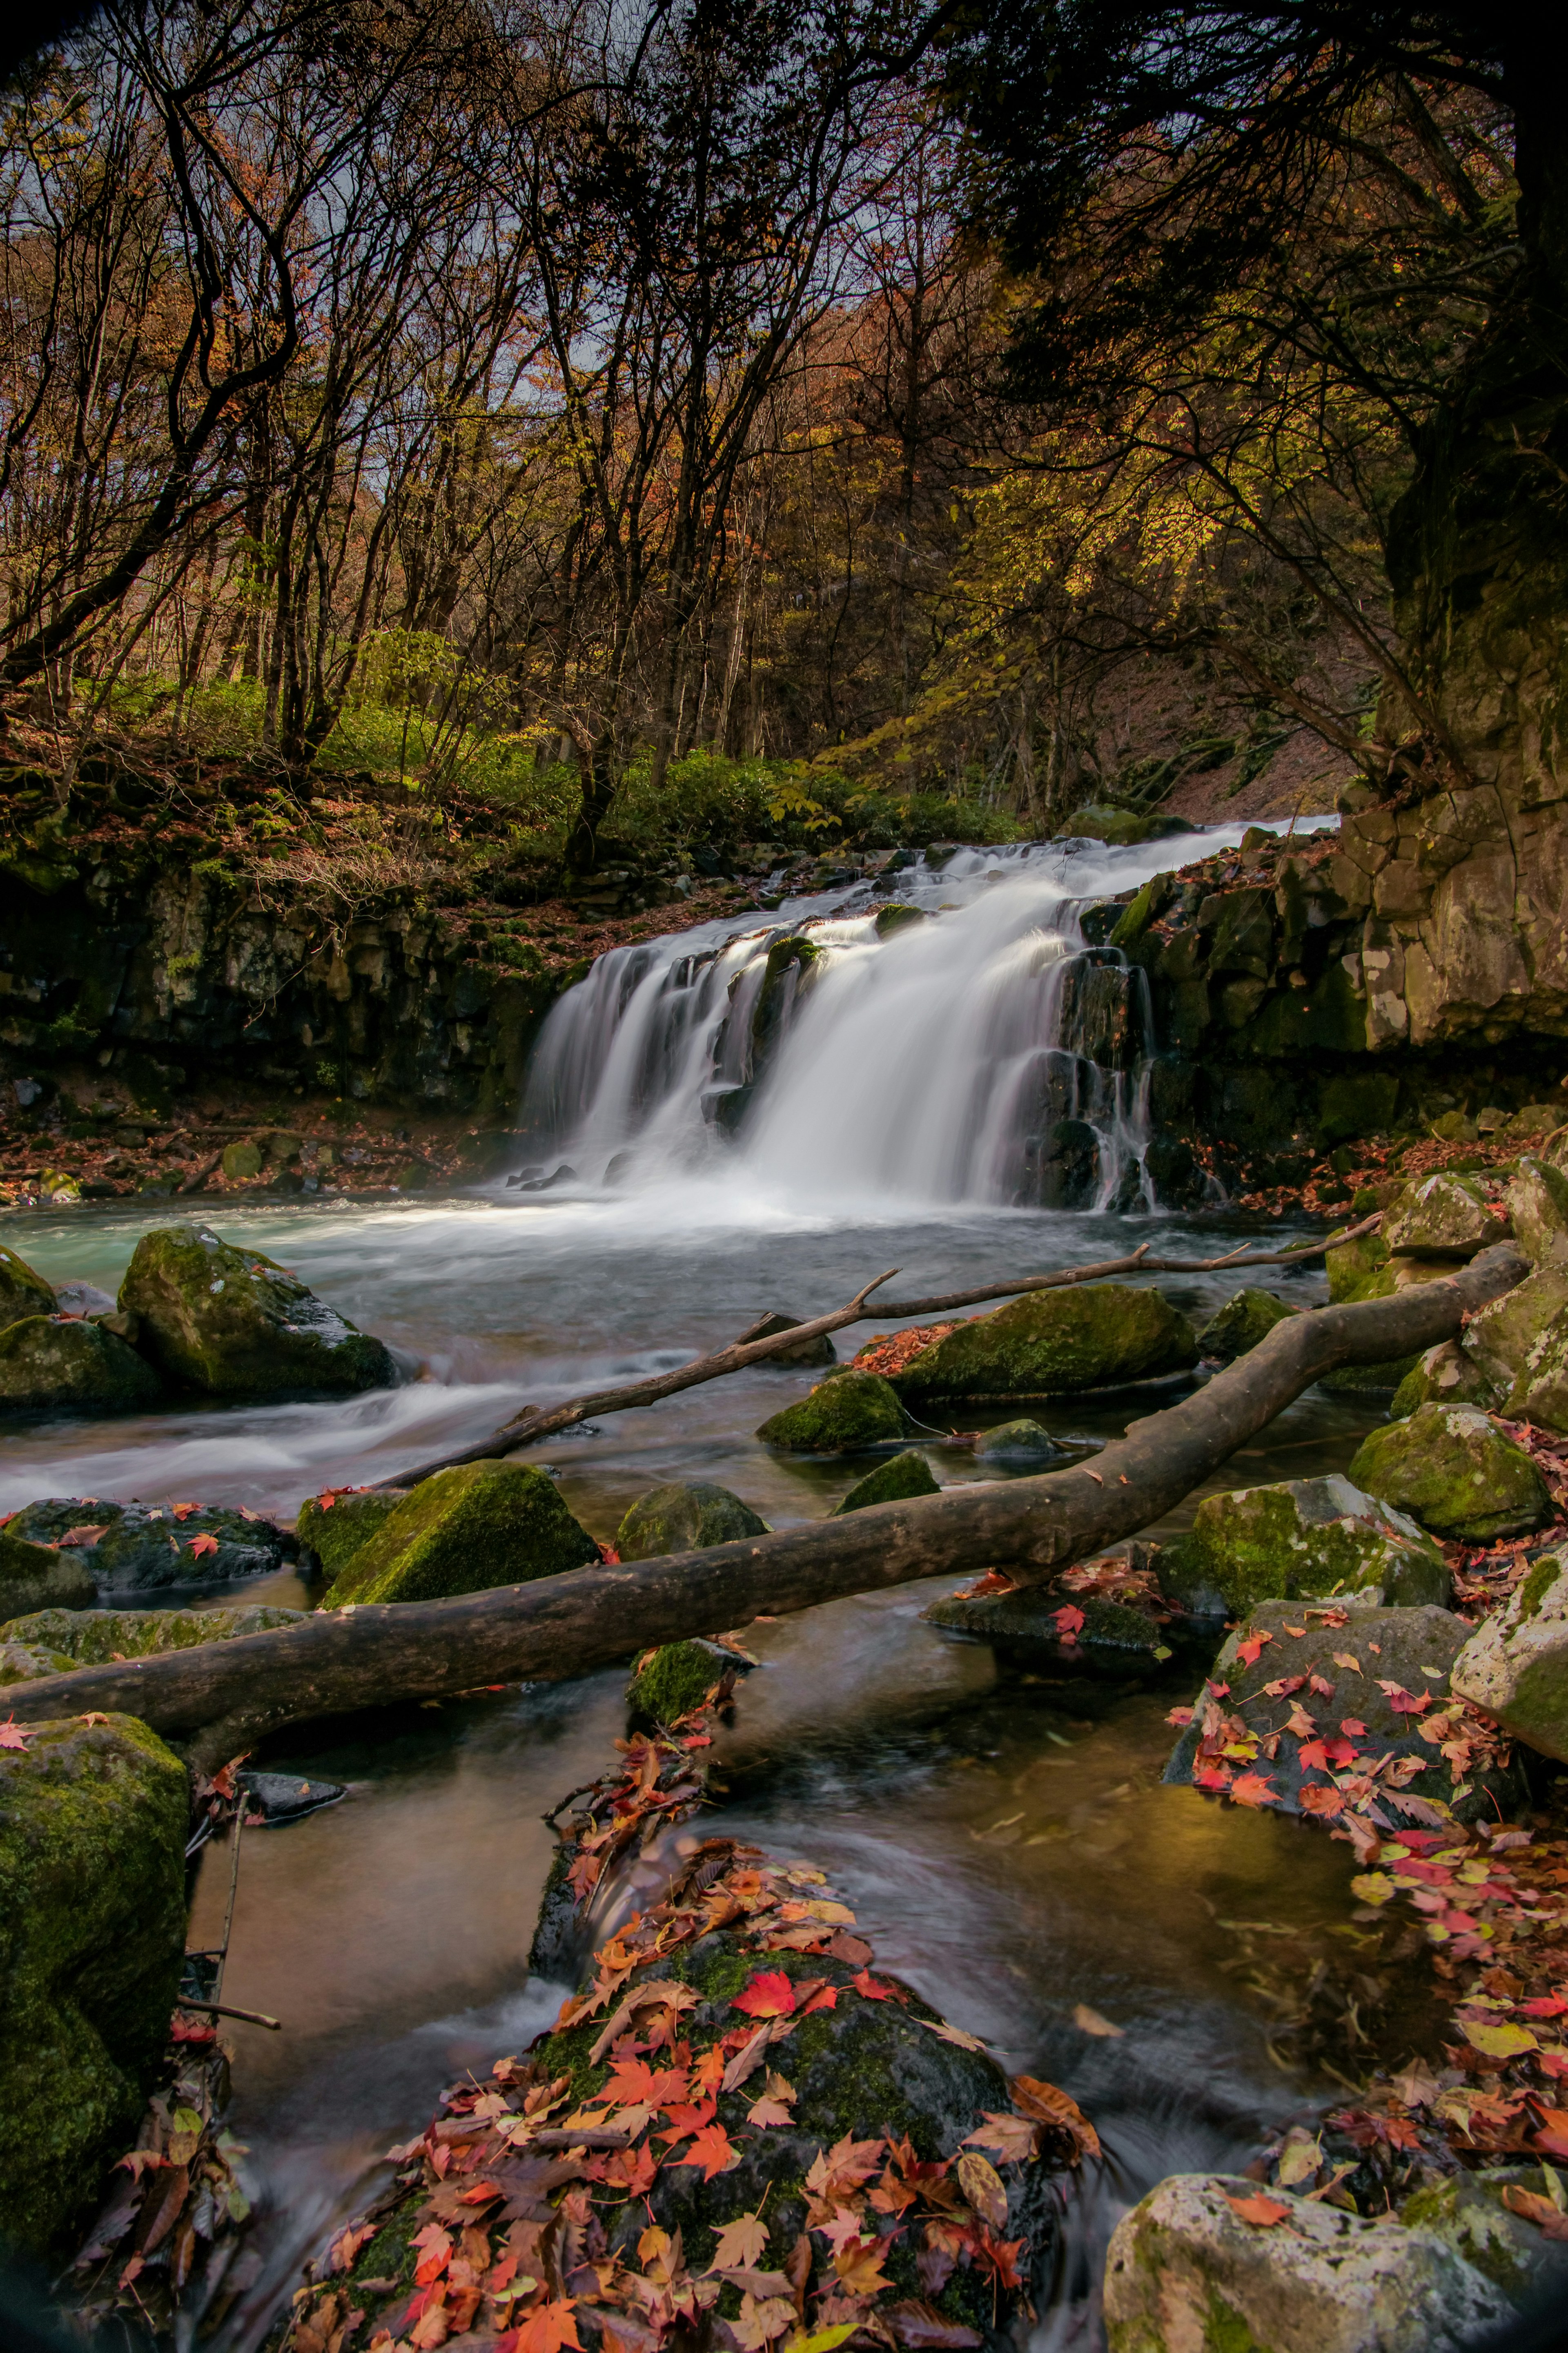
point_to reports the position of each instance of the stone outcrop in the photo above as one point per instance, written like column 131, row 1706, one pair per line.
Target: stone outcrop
column 41, row 1577
column 1516, row 1664
column 92, row 1933
column 843, row 1414
column 893, row 1482
column 683, row 1516
column 1451, row 1467
column 59, row 1364
column 134, row 1547
column 482, row 1524
column 1301, row 1536
column 51, row 1642
column 1055, row 1344
column 233, row 1322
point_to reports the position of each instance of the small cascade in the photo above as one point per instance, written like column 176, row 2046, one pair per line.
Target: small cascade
column 967, row 1044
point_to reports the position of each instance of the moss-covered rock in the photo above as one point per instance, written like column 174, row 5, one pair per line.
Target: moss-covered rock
column 330, row 1528
column 22, row 1291
column 1185, row 2273
column 1237, row 1326
column 92, row 1933
column 898, row 917
column 1539, row 1391
column 684, row 1516
column 1112, row 1639
column 478, row 1525
column 1537, row 1202
column 1446, row 1374
column 1055, row 1344
column 139, row 1547
column 1443, row 1216
column 1301, row 1536
column 233, row 1322
column 1467, row 2210
column 1452, row 1468
column 92, row 1638
column 1516, row 1664
column 24, row 1662
column 1017, row 1442
column 1359, row 1270
column 1500, row 1337
column 1369, row 1380
column 842, row 1414
column 41, row 1577
column 895, row 1482
column 61, row 1364
column 241, row 1162
column 676, row 1678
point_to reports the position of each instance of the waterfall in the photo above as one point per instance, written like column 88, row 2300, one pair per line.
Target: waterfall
column 966, row 1043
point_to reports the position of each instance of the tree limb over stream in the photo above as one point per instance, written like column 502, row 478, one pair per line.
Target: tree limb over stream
column 537, row 1421
column 232, row 1693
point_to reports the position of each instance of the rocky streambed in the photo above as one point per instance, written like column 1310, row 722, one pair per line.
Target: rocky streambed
column 1000, row 1790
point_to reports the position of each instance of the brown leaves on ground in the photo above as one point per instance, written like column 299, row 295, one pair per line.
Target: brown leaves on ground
column 894, row 1352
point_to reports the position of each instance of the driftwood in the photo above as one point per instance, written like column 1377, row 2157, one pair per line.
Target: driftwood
column 537, row 1421
column 231, row 1693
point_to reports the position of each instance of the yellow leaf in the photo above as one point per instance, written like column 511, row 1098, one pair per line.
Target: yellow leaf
column 1498, row 2041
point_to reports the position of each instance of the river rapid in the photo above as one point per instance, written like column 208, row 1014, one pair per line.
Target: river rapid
column 1005, row 1840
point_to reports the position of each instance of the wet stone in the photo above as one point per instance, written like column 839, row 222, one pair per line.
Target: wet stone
column 1056, row 1342
column 22, row 1291
column 38, row 1576
column 235, row 1323
column 1500, row 1338
column 906, row 1475
column 1299, row 1536
column 1017, row 1442
column 466, row 1531
column 1452, row 1468
column 59, row 1364
column 848, row 1411
column 139, row 1547
column 676, row 1678
column 808, row 1352
column 1077, row 1634
column 1247, row 1317
column 684, row 1516
column 1443, row 1216
column 93, row 1638
column 331, row 1527
column 1444, row 1376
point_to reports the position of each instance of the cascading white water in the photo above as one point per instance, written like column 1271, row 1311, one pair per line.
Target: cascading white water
column 986, row 1054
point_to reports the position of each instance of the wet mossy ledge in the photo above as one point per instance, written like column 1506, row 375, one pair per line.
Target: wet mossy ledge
column 196, row 1315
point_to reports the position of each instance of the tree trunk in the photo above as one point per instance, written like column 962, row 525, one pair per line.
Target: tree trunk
column 233, row 1693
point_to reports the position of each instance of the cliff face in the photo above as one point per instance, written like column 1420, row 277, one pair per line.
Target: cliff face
column 180, row 972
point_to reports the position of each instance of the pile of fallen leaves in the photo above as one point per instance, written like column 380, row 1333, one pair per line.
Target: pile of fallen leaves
column 522, row 2207
column 894, row 1352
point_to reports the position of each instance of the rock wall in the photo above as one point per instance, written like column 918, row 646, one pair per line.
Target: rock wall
column 171, row 973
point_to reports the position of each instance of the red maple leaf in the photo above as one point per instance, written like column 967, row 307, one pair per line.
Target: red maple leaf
column 1252, row 1790
column 825, row 1998
column 1261, row 2212
column 1282, row 1686
column 769, row 1995
column 1404, row 1703
column 864, row 1983
column 1545, row 2005
column 713, row 2150
column 1352, row 1727
column 1220, row 1690
column 548, row 2327
column 1317, row 1799
column 1213, row 1777
column 1069, row 1623
column 202, row 1546
column 1178, row 1716
column 1252, row 1649
column 1314, row 1756
column 14, row 1735
column 1323, row 1690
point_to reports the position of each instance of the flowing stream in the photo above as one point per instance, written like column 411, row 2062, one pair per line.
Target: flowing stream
column 1005, row 1839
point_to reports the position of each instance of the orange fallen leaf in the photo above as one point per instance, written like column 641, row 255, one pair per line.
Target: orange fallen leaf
column 770, row 1994
column 1260, row 2211
column 202, row 1546
column 713, row 2150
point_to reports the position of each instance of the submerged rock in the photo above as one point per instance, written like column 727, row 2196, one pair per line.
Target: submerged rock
column 1075, row 1631
column 807, row 1353
column 39, row 1576
column 135, row 1547
column 1056, row 1342
column 92, row 1933
column 1247, row 1317
column 58, row 1363
column 1452, row 1468
column 676, row 1678
column 1017, row 1442
column 906, row 1475
column 92, row 1638
column 1187, row 2272
column 1516, row 1664
column 22, row 1291
column 848, row 1411
column 1305, row 1710
column 684, row 1516
column 233, row 1323
column 1299, row 1536
column 1443, row 1216
column 332, row 1526
column 464, row 1531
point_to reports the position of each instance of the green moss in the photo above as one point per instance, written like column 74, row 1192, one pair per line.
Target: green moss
column 1453, row 1470
column 37, row 1577
column 1354, row 1380
column 846, row 1411
column 1054, row 1343
column 1538, row 1585
column 676, row 1680
column 895, row 917
column 464, row 1531
column 1130, row 925
column 92, row 1638
column 233, row 1322
column 684, row 1516
column 1247, row 1317
column 894, row 1481
column 1359, row 1270
column 1305, row 1537
column 335, row 1532
column 92, row 1929
column 72, row 1367
column 22, row 1291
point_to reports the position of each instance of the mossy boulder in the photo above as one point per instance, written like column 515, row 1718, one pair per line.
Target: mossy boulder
column 1516, row 1664
column 1300, row 1537
column 684, row 1516
column 1443, row 1216
column 1017, row 1442
column 1414, row 1650
column 1452, row 1468
column 464, row 1531
column 24, row 1662
column 62, row 1365
column 842, row 1415
column 1539, row 1391
column 139, row 1547
column 1055, row 1344
column 93, row 1638
column 898, row 917
column 894, row 1481
column 676, row 1678
column 1112, row 1639
column 233, row 1322
column 1184, row 2273
column 1245, row 1319
column 1467, row 2211
column 1359, row 1270
column 1537, row 1202
column 1500, row 1337
column 22, row 1291
column 1446, row 1374
column 241, row 1162
column 1369, row 1380
column 330, row 1528
column 39, row 1576
column 93, row 1820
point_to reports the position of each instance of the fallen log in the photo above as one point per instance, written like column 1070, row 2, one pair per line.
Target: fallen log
column 537, row 1421
column 234, row 1691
